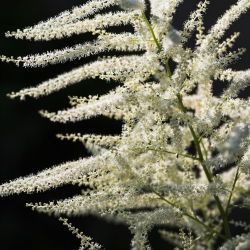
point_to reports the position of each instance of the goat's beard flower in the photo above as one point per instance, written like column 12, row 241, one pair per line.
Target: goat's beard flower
column 149, row 165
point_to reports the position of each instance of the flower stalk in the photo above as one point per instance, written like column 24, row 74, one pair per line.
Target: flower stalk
column 207, row 172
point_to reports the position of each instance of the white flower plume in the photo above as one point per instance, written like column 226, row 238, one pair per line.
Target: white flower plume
column 182, row 157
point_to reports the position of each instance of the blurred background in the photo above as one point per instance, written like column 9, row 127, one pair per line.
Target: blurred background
column 28, row 143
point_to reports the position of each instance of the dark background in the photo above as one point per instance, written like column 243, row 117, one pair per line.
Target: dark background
column 28, row 143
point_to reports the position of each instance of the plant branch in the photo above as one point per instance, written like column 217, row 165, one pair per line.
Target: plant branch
column 151, row 31
column 177, row 154
column 195, row 137
column 207, row 171
column 233, row 187
column 204, row 148
column 188, row 215
column 167, row 68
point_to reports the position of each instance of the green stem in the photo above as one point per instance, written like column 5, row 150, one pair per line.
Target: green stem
column 173, row 153
column 168, row 70
column 207, row 171
column 196, row 141
column 188, row 215
column 195, row 137
column 233, row 187
column 152, row 31
column 204, row 148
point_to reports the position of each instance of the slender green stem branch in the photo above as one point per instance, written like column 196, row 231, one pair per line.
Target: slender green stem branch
column 204, row 148
column 167, row 68
column 173, row 153
column 233, row 187
column 207, row 171
column 195, row 137
column 196, row 141
column 152, row 31
column 188, row 215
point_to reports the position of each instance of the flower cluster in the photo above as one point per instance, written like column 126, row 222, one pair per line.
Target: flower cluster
column 147, row 175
